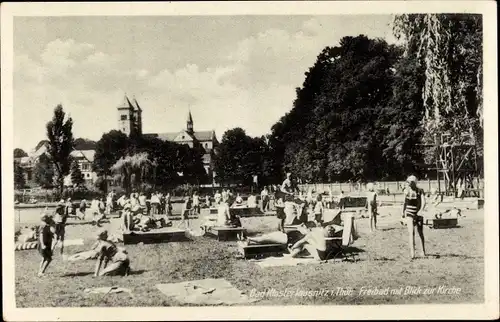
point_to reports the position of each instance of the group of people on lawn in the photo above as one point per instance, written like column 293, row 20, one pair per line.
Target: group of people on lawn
column 295, row 212
column 111, row 259
column 290, row 210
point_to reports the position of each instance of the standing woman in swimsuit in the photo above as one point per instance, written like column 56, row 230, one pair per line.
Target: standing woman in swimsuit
column 119, row 263
column 280, row 210
column 371, row 200
column 414, row 202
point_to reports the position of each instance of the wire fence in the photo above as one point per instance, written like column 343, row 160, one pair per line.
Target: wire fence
column 383, row 187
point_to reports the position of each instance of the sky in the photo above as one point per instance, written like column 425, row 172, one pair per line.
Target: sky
column 229, row 71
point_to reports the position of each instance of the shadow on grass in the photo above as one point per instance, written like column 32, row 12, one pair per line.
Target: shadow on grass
column 445, row 228
column 77, row 274
column 387, row 229
column 80, row 274
column 137, row 271
column 452, row 256
column 78, row 223
column 352, row 249
column 384, row 259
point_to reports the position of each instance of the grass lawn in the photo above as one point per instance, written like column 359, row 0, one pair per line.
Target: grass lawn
column 456, row 259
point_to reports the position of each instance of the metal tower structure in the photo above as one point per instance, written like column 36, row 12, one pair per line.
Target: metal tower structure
column 456, row 164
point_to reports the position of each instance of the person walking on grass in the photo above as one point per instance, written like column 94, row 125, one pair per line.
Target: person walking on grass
column 280, row 210
column 264, row 196
column 82, row 209
column 46, row 236
column 318, row 211
column 155, row 204
column 187, row 209
column 413, row 203
column 371, row 200
column 196, row 203
column 168, row 204
column 60, row 225
column 109, row 203
column 287, row 187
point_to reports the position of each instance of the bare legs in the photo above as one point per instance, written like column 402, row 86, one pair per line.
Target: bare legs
column 411, row 235
column 281, row 224
column 127, row 221
column 420, row 230
column 271, row 238
column 373, row 220
column 304, row 244
column 114, row 268
column 43, row 265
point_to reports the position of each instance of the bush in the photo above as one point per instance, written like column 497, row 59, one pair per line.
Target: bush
column 52, row 195
column 40, row 195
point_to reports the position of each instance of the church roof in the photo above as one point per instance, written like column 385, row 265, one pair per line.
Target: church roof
column 201, row 136
column 190, row 118
column 40, row 144
column 204, row 135
column 126, row 103
column 136, row 105
column 83, row 154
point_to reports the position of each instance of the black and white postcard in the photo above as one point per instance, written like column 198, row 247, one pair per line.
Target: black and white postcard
column 249, row 160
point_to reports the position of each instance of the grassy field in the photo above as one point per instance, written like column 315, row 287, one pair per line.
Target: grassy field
column 455, row 260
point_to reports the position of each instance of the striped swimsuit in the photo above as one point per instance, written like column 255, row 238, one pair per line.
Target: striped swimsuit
column 413, row 200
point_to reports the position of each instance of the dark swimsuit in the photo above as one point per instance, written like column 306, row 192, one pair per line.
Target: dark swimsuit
column 46, row 236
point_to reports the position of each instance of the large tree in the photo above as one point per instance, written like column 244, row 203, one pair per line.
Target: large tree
column 84, row 144
column 19, row 181
column 192, row 164
column 76, row 175
column 165, row 156
column 44, row 172
column 401, row 121
column 109, row 149
column 19, row 153
column 450, row 49
column 60, row 135
column 333, row 132
column 134, row 171
column 239, row 157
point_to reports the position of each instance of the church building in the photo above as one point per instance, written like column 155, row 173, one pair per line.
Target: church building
column 130, row 119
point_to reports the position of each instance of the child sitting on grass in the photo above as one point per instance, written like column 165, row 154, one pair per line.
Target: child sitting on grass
column 108, row 252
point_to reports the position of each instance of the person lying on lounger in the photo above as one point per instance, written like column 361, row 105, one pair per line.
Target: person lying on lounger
column 278, row 237
column 275, row 237
column 313, row 243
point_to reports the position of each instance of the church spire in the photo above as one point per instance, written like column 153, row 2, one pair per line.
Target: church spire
column 190, row 123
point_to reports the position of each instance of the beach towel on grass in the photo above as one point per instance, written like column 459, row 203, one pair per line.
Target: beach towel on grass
column 71, row 242
column 284, row 261
column 205, row 292
column 107, row 290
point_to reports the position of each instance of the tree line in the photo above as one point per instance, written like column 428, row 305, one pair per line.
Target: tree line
column 138, row 162
column 368, row 110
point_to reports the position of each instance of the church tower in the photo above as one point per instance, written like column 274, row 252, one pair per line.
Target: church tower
column 126, row 117
column 190, row 128
column 137, row 116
